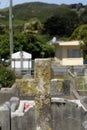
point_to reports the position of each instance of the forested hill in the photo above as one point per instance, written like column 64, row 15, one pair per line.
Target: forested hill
column 26, row 11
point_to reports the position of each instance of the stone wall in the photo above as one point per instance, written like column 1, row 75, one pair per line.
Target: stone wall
column 7, row 93
column 27, row 87
column 67, row 116
column 42, row 84
column 54, row 116
column 46, row 115
column 60, row 87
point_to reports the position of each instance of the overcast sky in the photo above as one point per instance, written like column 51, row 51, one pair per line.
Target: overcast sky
column 5, row 3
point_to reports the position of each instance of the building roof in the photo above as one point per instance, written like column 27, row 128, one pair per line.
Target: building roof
column 20, row 54
column 54, row 41
column 68, row 43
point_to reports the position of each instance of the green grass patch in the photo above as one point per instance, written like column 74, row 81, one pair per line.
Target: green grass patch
column 82, row 85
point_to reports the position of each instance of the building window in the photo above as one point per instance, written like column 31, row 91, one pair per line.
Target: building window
column 73, row 53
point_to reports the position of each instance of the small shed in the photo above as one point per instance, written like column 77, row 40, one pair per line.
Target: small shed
column 68, row 52
column 21, row 60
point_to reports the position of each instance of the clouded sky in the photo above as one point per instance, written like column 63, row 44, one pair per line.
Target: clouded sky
column 5, row 3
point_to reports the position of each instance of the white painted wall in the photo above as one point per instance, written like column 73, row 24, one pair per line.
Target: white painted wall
column 22, row 60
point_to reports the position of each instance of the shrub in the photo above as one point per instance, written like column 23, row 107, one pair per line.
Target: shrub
column 7, row 77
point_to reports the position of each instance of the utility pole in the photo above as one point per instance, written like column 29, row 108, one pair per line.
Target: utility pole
column 11, row 29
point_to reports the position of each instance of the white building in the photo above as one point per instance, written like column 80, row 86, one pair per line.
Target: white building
column 68, row 52
column 21, row 60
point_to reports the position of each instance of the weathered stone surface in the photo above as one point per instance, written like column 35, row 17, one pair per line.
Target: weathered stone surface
column 41, row 81
column 85, row 77
column 42, row 98
column 66, row 87
column 43, row 114
column 24, row 121
column 29, row 119
column 14, row 102
column 7, row 93
column 5, row 117
column 46, row 115
column 43, row 69
column 56, row 87
column 51, row 115
column 17, row 123
column 85, row 124
column 26, row 86
column 67, row 116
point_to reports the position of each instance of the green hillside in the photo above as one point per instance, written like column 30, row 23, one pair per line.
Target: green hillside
column 26, row 11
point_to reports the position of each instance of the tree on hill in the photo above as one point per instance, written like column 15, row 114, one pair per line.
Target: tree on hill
column 62, row 24
column 80, row 33
column 83, row 16
column 76, row 6
column 33, row 26
column 40, row 48
column 2, row 29
column 32, row 29
column 37, row 45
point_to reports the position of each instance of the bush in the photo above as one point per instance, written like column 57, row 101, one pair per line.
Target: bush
column 7, row 77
